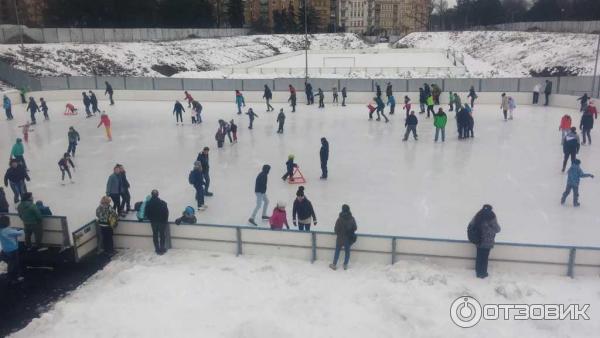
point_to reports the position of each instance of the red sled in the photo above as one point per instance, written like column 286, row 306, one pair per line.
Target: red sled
column 297, row 177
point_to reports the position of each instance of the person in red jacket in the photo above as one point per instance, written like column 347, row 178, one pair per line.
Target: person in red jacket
column 279, row 217
column 591, row 108
column 565, row 126
column 70, row 109
column 188, row 98
column 105, row 120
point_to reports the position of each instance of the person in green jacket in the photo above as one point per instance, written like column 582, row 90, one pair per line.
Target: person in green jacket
column 451, row 101
column 17, row 152
column 32, row 220
column 439, row 122
column 429, row 102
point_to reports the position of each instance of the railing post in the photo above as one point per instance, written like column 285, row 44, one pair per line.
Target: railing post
column 519, row 85
column 239, row 241
column 570, row 269
column 313, row 237
column 168, row 236
column 393, row 250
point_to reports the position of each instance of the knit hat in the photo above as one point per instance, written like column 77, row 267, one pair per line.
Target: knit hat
column 577, row 162
column 300, row 191
column 189, row 211
column 290, row 156
column 345, row 208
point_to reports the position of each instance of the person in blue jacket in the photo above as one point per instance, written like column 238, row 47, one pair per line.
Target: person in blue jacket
column 10, row 249
column 392, row 103
column 32, row 108
column 7, row 107
column 196, row 178
column 289, row 169
column 177, row 111
column 574, row 175
column 380, row 108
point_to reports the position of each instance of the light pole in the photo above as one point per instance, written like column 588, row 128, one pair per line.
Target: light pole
column 596, row 67
column 19, row 24
column 305, row 42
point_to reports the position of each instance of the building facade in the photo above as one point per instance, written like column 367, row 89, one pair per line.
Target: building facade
column 384, row 17
column 31, row 12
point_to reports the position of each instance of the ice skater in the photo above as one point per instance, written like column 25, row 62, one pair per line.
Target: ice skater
column 289, row 169
column 63, row 165
column 371, row 107
column 220, row 135
column 407, row 105
column 321, row 98
column 303, row 213
column 470, row 122
column 388, row 90
column 10, row 250
column 457, row 102
column 377, row 90
column 17, row 152
column 472, row 95
column 439, row 122
column 422, row 101
column 564, row 127
column 177, row 111
column 280, row 121
column 411, row 126
column 391, row 101
column 25, row 129
column 536, row 93
column 105, row 120
column 574, row 175
column 380, row 108
column 205, row 163
column 188, row 97
column 547, row 91
column 512, row 105
column 44, row 108
column 251, row 117
column 504, row 106
column 324, row 157
column 125, row 195
column 15, row 176
column 87, row 102
column 109, row 91
column 335, row 95
column 196, row 179
column 308, row 90
column 451, row 101
column 292, row 98
column 430, row 103
column 197, row 108
column 435, row 92
column 73, row 137
column 7, row 104
column 239, row 101
column 344, row 96
column 32, row 108
column 233, row 128
column 268, row 96
column 586, row 125
column 584, row 102
column 571, row 147
column 279, row 217
column 260, row 190
column 94, row 102
column 70, row 109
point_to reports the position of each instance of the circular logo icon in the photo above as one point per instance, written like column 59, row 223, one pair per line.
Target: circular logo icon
column 465, row 312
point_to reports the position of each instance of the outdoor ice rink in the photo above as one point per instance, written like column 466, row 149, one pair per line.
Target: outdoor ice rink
column 393, row 187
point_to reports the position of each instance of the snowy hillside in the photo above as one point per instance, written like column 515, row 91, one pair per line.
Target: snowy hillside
column 514, row 54
column 162, row 58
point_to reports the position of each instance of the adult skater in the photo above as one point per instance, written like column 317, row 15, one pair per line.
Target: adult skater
column 44, row 108
column 292, row 98
column 512, row 105
column 105, row 120
column 458, row 102
column 87, row 102
column 3, row 202
column 196, row 179
column 220, row 135
column 109, row 91
column 177, row 111
column 308, row 90
column 251, row 117
column 303, row 212
column 411, row 126
column 451, row 101
column 157, row 213
column 470, row 122
column 574, row 175
column 10, row 249
column 472, row 95
column 107, row 219
column 233, row 129
column 321, row 98
column 32, row 221
column 197, row 108
column 289, row 169
column 407, row 105
column 462, row 122
column 344, row 96
column 15, row 176
column 32, row 108
column 547, row 91
column 335, row 95
column 18, row 152
column 380, row 108
column 422, row 101
column 260, row 190
column 504, row 106
column 7, row 104
column 125, row 195
column 482, row 232
column 204, row 162
column 94, row 102
column 586, row 125
column 536, row 93
column 63, row 165
column 439, row 122
column 324, row 157
column 430, row 104
column 280, row 121
column 188, row 97
column 73, row 137
column 388, row 90
column 426, row 89
column 345, row 231
column 227, row 130
column 377, row 90
column 391, row 101
column 268, row 96
column 436, row 92
column 564, row 127
column 583, row 102
column 23, row 94
column 239, row 101
column 113, row 188
column 570, row 147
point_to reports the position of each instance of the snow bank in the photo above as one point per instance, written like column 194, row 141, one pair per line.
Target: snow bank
column 514, row 54
column 191, row 294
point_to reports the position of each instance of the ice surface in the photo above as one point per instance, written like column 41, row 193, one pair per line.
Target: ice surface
column 199, row 294
column 393, row 187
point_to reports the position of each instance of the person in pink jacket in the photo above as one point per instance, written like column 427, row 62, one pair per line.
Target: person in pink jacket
column 279, row 217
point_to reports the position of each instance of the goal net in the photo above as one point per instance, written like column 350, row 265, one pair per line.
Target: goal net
column 339, row 61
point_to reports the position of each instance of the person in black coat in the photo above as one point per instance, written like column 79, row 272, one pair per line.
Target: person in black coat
column 94, row 102
column 321, row 98
column 303, row 212
column 344, row 96
column 177, row 111
column 109, row 91
column 32, row 108
column 462, row 122
column 260, row 189
column 324, row 156
column 586, row 125
column 411, row 126
column 378, row 90
column 308, row 89
column 44, row 107
column 125, row 195
column 86, row 103
column 570, row 147
column 157, row 213
column 289, row 169
column 547, row 91
column 268, row 95
column 280, row 121
column 203, row 158
column 388, row 90
column 196, row 178
column 3, row 201
column 16, row 175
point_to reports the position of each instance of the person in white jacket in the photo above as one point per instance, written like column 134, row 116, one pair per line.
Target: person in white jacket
column 536, row 92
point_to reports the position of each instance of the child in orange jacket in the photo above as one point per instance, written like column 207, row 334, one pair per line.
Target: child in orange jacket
column 105, row 120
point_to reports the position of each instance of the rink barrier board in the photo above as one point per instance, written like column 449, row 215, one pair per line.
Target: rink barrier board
column 378, row 249
column 55, row 230
column 85, row 240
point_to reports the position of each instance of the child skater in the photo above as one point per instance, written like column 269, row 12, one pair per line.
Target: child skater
column 44, row 108
column 70, row 109
column 233, row 129
column 188, row 98
column 372, row 108
column 407, row 105
column 512, row 105
column 289, row 167
column 239, row 101
column 26, row 128
column 105, row 120
column 392, row 103
column 279, row 217
column 63, row 164
column 251, row 116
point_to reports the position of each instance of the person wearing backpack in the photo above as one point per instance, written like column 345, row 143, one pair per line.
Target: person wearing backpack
column 345, row 230
column 107, row 219
column 482, row 232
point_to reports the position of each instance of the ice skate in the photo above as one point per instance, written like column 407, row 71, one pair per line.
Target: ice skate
column 251, row 221
column 332, row 267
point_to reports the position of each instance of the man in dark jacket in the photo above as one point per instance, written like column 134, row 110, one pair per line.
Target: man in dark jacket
column 94, row 102
column 308, row 89
column 378, row 90
column 196, row 178
column 345, row 229
column 292, row 98
column 32, row 108
column 380, row 108
column 157, row 213
column 177, row 111
column 586, row 125
column 86, row 103
column 109, row 91
column 344, row 96
column 268, row 95
column 125, row 195
column 547, row 91
column 388, row 90
column 15, row 176
column 32, row 220
column 411, row 126
column 280, row 121
column 203, row 158
column 260, row 189
column 113, row 188
column 303, row 212
column 324, row 156
column 570, row 147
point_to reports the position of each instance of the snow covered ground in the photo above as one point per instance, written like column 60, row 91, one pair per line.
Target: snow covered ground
column 193, row 293
column 394, row 187
column 514, row 54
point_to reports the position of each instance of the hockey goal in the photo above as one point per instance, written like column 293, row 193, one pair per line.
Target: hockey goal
column 339, row 61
